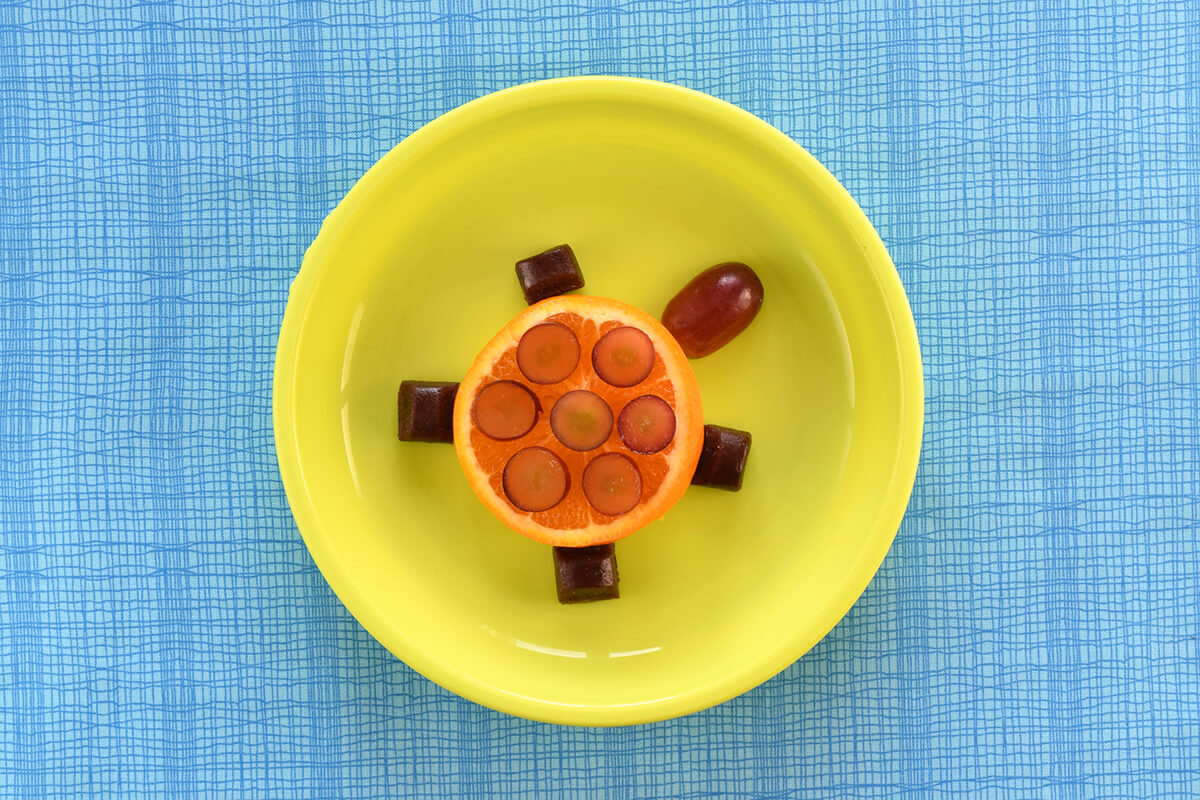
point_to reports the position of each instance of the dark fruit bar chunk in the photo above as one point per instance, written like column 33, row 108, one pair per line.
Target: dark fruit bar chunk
column 548, row 274
column 723, row 459
column 583, row 574
column 427, row 411
column 714, row 307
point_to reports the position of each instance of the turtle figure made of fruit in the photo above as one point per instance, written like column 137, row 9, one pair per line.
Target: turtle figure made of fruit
column 580, row 421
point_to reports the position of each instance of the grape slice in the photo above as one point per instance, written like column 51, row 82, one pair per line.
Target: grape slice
column 535, row 479
column 623, row 357
column 548, row 353
column 505, row 410
column 646, row 424
column 581, row 420
column 612, row 484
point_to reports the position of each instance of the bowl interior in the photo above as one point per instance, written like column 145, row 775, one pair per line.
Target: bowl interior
column 649, row 184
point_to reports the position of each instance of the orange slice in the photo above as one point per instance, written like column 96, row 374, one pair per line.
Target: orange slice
column 612, row 437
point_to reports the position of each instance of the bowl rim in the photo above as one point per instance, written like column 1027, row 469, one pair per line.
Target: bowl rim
column 767, row 663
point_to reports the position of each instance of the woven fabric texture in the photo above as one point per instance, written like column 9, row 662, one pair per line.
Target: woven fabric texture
column 1035, row 171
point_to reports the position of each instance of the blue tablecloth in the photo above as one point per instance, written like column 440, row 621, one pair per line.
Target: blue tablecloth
column 1035, row 171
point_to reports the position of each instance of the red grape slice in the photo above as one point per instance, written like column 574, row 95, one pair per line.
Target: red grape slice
column 548, row 353
column 646, row 424
column 535, row 479
column 623, row 357
column 581, row 420
column 505, row 410
column 612, row 484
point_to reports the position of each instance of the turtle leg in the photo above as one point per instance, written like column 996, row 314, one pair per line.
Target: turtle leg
column 549, row 273
column 584, row 574
column 426, row 411
column 723, row 458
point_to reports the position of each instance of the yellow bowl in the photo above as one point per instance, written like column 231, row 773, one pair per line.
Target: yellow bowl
column 412, row 274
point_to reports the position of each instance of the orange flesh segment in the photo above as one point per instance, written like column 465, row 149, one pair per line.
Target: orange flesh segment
column 646, row 424
column 574, row 521
column 581, row 420
column 623, row 357
column 505, row 410
column 548, row 353
column 535, row 479
column 612, row 484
